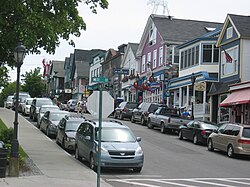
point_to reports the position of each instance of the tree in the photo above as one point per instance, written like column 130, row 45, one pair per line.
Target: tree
column 33, row 83
column 39, row 24
column 3, row 76
column 9, row 89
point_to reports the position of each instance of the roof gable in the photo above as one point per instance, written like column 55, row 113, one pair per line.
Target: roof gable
column 241, row 28
column 176, row 31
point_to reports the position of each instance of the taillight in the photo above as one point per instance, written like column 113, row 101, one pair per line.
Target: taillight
column 244, row 141
column 203, row 132
column 169, row 120
column 124, row 110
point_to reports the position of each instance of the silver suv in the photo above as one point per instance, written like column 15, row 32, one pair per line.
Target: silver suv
column 119, row 147
column 231, row 138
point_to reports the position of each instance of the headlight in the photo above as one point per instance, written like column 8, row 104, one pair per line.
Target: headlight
column 70, row 139
column 102, row 149
column 139, row 151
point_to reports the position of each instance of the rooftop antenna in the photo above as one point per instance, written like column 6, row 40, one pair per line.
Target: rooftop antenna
column 157, row 3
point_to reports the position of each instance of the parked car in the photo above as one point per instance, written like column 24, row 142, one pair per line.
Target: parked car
column 66, row 131
column 36, row 104
column 22, row 97
column 9, row 102
column 124, row 110
column 42, row 110
column 168, row 119
column 231, row 138
column 50, row 120
column 26, row 106
column 72, row 105
column 119, row 148
column 197, row 131
column 141, row 113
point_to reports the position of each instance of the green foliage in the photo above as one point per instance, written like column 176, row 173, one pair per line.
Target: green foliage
column 3, row 76
column 34, row 84
column 40, row 24
column 6, row 135
column 9, row 89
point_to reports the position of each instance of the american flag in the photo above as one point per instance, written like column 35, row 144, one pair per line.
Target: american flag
column 228, row 57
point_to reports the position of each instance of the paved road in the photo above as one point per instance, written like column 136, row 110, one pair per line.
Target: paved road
column 173, row 162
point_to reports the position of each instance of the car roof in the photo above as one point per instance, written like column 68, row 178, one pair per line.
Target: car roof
column 42, row 98
column 49, row 106
column 59, row 112
column 108, row 123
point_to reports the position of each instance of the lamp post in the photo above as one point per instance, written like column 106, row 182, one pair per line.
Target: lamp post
column 19, row 55
column 193, row 78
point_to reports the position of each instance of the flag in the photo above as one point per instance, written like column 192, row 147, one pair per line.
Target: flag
column 228, row 57
column 43, row 62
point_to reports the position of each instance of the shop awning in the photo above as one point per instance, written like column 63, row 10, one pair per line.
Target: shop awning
column 236, row 98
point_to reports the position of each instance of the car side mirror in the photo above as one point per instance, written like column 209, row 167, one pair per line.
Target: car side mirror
column 215, row 131
column 138, row 139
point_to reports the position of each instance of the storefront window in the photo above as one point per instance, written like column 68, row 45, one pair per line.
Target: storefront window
column 223, row 111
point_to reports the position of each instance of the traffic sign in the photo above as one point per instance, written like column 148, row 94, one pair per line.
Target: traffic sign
column 107, row 104
column 100, row 79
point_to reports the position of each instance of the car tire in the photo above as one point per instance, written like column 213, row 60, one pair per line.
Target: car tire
column 132, row 118
column 92, row 162
column 142, row 120
column 180, row 135
column 63, row 144
column 115, row 116
column 149, row 124
column 77, row 156
column 210, row 146
column 163, row 129
column 47, row 132
column 195, row 139
column 137, row 170
column 230, row 151
column 121, row 117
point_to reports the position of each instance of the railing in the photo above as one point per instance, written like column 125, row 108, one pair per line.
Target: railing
column 200, row 111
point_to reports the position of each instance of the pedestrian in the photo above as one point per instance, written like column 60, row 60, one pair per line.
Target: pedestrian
column 79, row 107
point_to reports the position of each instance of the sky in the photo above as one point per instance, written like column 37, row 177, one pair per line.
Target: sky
column 124, row 21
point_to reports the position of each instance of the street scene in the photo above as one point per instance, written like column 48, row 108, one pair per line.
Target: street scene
column 164, row 105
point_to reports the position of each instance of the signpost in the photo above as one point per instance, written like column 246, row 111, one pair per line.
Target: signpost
column 121, row 71
column 98, row 108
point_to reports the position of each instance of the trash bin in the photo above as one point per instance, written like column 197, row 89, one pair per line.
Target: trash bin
column 3, row 160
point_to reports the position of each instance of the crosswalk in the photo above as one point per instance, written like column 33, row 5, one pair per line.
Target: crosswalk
column 187, row 182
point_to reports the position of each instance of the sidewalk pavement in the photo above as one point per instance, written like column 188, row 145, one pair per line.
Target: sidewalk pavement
column 58, row 169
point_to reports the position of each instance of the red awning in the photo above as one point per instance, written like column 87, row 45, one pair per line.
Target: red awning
column 236, row 98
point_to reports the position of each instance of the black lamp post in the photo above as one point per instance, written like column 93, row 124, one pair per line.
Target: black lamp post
column 19, row 55
column 193, row 78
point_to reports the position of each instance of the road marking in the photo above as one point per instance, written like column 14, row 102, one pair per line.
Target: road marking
column 233, row 181
column 178, row 182
column 130, row 182
column 210, row 183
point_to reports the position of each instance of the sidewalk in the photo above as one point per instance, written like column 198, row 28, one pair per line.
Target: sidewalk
column 58, row 169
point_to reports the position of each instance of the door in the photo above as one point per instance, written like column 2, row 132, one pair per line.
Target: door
column 85, row 143
column 188, row 131
column 61, row 130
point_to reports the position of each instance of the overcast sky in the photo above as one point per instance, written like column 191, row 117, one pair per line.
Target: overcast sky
column 124, row 22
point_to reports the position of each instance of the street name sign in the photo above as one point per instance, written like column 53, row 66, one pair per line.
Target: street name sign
column 100, row 79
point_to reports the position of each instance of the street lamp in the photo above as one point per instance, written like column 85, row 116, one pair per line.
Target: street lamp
column 193, row 78
column 19, row 55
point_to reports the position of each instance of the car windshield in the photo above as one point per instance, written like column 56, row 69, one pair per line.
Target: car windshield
column 23, row 97
column 116, row 135
column 43, row 102
column 56, row 116
column 153, row 108
column 208, row 126
column 72, row 125
column 131, row 105
column 45, row 109
column 28, row 102
column 10, row 99
column 246, row 133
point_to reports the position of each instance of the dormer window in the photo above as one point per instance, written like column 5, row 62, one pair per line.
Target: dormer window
column 229, row 32
column 152, row 35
